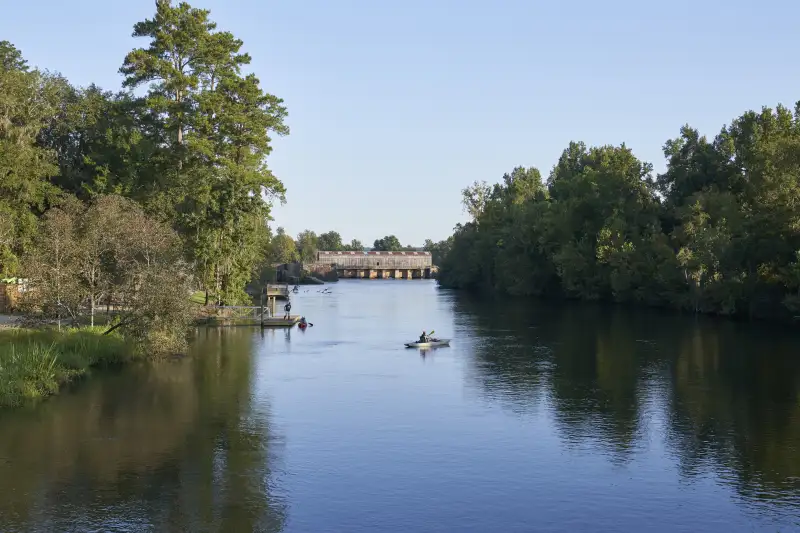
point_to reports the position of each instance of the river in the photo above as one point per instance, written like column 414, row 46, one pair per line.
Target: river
column 539, row 417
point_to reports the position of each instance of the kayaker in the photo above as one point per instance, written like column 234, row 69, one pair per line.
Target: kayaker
column 423, row 337
column 287, row 308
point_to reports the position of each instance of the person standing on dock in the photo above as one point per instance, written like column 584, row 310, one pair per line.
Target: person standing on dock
column 287, row 308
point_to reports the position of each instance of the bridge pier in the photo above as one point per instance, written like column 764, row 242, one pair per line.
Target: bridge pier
column 384, row 273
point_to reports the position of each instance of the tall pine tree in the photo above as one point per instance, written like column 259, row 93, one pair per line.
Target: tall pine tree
column 212, row 125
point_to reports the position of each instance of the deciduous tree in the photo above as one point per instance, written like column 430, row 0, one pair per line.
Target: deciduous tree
column 390, row 243
column 331, row 241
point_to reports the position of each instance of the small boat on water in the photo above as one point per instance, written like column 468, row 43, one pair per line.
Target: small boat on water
column 430, row 344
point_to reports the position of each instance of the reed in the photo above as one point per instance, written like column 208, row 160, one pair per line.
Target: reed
column 36, row 363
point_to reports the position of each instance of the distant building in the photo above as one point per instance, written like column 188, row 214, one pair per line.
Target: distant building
column 373, row 264
column 375, row 260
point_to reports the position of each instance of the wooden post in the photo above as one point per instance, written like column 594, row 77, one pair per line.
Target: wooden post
column 262, row 308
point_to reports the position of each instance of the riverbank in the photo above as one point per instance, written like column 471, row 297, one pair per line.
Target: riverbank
column 35, row 364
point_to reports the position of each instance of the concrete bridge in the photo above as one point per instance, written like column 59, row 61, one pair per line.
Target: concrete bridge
column 374, row 265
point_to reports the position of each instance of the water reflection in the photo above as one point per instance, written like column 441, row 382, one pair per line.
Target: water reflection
column 566, row 418
column 734, row 404
column 722, row 397
column 176, row 446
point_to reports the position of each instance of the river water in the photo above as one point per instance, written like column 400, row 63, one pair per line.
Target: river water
column 538, row 418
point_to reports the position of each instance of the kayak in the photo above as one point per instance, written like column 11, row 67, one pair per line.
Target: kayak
column 431, row 344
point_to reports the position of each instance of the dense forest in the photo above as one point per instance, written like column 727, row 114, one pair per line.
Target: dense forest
column 718, row 232
column 184, row 144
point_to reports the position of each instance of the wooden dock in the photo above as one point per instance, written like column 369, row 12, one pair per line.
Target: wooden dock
column 231, row 315
column 280, row 322
column 268, row 322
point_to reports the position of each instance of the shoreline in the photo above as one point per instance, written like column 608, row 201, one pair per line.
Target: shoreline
column 492, row 294
column 37, row 363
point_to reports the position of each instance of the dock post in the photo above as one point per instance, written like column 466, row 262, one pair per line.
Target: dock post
column 262, row 308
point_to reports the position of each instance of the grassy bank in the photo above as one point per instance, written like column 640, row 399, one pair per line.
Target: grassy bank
column 36, row 363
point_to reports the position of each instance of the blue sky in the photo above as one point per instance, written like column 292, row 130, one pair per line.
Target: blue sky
column 396, row 106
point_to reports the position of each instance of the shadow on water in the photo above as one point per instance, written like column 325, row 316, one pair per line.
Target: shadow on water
column 723, row 397
column 171, row 446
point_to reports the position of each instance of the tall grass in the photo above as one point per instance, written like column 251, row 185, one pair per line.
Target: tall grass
column 36, row 363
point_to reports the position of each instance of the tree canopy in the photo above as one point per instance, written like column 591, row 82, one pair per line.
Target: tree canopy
column 717, row 232
column 330, row 241
column 187, row 139
column 390, row 243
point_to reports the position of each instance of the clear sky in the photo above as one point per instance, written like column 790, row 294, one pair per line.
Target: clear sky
column 395, row 106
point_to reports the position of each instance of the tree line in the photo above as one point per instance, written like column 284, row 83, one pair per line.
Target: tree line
column 181, row 149
column 285, row 249
column 718, row 232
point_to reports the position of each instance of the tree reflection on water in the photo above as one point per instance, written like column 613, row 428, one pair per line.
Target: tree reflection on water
column 727, row 392
column 173, row 446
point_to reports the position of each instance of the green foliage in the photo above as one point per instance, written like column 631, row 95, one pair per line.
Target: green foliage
column 110, row 252
column 207, row 138
column 34, row 364
column 11, row 58
column 28, row 102
column 133, row 200
column 718, row 232
column 390, row 243
column 330, row 241
column 438, row 250
column 100, row 143
column 307, row 246
column 282, row 249
column 354, row 246
column 190, row 146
